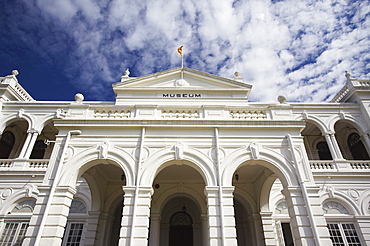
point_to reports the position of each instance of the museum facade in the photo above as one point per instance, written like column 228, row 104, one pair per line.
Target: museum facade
column 181, row 157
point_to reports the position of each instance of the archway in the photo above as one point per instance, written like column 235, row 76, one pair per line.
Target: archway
column 13, row 139
column 350, row 141
column 255, row 200
column 178, row 206
column 100, row 187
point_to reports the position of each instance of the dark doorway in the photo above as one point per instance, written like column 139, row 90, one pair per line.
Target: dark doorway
column 323, row 150
column 181, row 230
column 38, row 150
column 287, row 233
column 6, row 144
column 357, row 148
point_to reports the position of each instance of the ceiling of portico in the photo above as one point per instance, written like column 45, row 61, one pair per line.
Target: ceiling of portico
column 179, row 172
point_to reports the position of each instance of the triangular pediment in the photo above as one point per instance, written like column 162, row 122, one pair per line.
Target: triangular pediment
column 184, row 78
column 184, row 85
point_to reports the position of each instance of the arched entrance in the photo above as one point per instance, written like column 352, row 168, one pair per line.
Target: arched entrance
column 100, row 189
column 178, row 211
column 256, row 197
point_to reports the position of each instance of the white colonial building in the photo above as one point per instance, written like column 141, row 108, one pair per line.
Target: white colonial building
column 181, row 157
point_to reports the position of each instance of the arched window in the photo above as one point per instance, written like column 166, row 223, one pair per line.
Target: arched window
column 73, row 234
column 281, row 208
column 323, row 151
column 341, row 233
column 181, row 229
column 16, row 223
column 6, row 144
column 38, row 150
column 356, row 147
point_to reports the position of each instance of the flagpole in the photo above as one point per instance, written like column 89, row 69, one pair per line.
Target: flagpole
column 182, row 67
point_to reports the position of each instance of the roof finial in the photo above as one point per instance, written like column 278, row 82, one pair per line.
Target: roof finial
column 238, row 76
column 348, row 75
column 126, row 73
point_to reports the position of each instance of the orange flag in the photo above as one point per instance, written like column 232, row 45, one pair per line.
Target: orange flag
column 180, row 50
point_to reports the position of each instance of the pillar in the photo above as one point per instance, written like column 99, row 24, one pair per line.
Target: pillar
column 364, row 226
column 135, row 216
column 333, row 152
column 31, row 144
column 229, row 215
column 214, row 223
column 53, row 231
column 256, row 225
column 214, row 217
column 268, row 228
column 318, row 214
column 205, row 229
column 336, row 146
column 299, row 221
column 26, row 144
column 155, row 229
column 92, row 227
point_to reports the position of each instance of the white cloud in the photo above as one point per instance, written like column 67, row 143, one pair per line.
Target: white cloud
column 297, row 48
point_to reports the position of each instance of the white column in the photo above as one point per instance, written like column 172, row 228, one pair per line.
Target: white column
column 268, row 228
column 26, row 144
column 214, row 223
column 336, row 146
column 256, row 227
column 103, row 229
column 92, row 227
column 126, row 221
column 155, row 229
column 56, row 218
column 229, row 216
column 333, row 152
column 205, row 229
column 299, row 218
column 364, row 226
column 318, row 214
column 140, row 224
column 31, row 144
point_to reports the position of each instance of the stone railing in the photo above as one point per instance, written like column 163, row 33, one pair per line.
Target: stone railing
column 317, row 165
column 16, row 164
column 248, row 114
column 112, row 113
column 180, row 113
column 360, row 164
column 321, row 165
column 5, row 163
column 340, row 95
column 38, row 163
column 23, row 93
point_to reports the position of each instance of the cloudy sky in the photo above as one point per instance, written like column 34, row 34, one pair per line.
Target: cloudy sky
column 299, row 48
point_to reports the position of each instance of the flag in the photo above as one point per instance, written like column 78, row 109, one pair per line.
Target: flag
column 180, row 50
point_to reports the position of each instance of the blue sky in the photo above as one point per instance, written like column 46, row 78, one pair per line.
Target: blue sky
column 296, row 48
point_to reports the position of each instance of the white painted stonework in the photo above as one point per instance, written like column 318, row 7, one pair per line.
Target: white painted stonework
column 183, row 158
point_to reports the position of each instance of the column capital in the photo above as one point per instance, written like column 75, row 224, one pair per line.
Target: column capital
column 329, row 132
column 33, row 130
column 289, row 190
column 211, row 190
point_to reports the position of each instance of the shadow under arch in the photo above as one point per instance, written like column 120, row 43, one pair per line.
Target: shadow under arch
column 280, row 166
column 360, row 126
column 162, row 159
column 31, row 120
column 344, row 200
column 173, row 193
column 85, row 160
